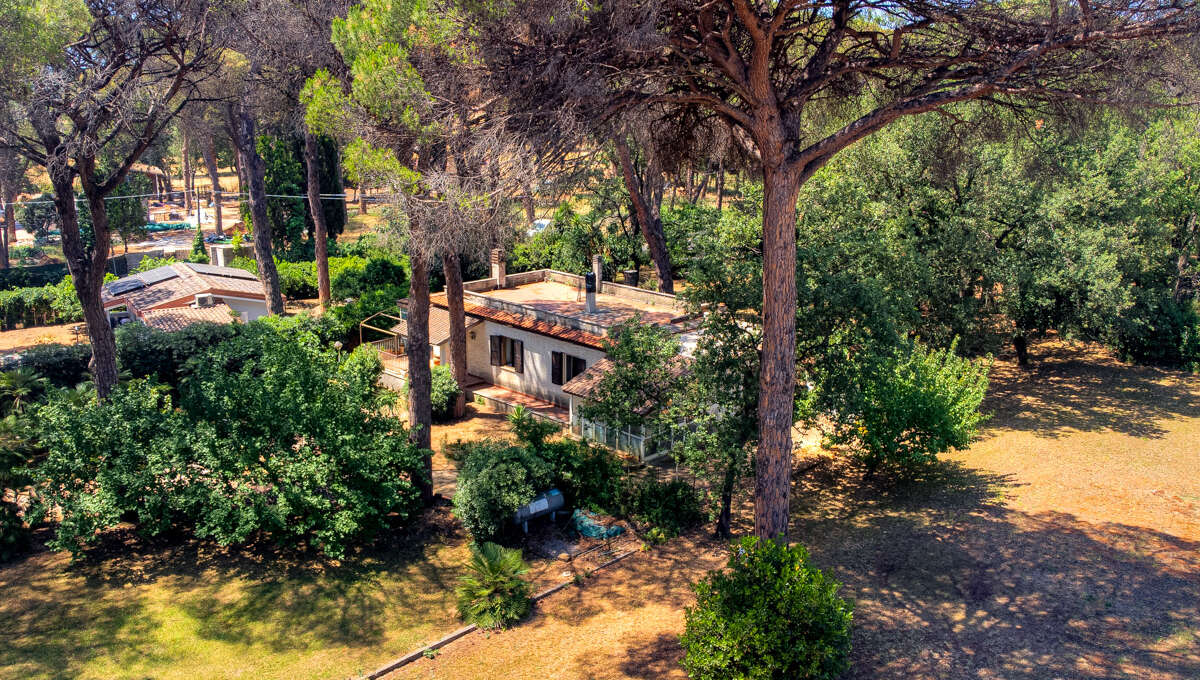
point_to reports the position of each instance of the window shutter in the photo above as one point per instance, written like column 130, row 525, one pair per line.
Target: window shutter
column 556, row 368
column 577, row 366
column 495, row 341
column 518, row 356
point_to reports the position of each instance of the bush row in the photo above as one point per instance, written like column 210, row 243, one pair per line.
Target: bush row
column 349, row 277
column 42, row 306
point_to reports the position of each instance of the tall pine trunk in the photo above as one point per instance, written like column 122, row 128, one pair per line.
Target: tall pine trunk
column 452, row 267
column 420, row 378
column 647, row 214
column 188, row 189
column 252, row 165
column 777, row 381
column 10, row 226
column 87, row 275
column 214, row 176
column 318, row 212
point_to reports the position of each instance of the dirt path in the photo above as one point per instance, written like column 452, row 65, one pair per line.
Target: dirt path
column 622, row 624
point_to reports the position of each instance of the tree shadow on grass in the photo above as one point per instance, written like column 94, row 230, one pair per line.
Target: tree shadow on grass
column 1082, row 387
column 949, row 583
column 109, row 602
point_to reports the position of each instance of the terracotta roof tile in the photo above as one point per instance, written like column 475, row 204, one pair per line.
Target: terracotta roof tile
column 439, row 325
column 176, row 318
column 185, row 284
column 526, row 322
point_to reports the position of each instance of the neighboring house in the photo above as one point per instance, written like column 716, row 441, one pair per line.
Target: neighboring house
column 174, row 296
column 533, row 335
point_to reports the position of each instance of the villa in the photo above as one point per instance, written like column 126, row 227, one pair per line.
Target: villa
column 537, row 339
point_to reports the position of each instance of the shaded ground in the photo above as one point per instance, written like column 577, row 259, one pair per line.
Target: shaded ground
column 189, row 609
column 1064, row 544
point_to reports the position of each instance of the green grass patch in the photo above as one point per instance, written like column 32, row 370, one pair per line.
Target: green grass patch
column 197, row 611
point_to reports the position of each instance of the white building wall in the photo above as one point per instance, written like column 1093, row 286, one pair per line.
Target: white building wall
column 249, row 309
column 535, row 380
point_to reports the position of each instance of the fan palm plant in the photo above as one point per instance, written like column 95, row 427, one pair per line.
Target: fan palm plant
column 20, row 386
column 492, row 593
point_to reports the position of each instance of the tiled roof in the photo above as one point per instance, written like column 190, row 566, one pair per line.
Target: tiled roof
column 439, row 324
column 586, row 383
column 525, row 322
column 185, row 284
column 176, row 318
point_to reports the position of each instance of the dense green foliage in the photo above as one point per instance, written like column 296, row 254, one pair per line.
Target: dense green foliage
column 351, row 276
column 770, row 615
column 671, row 507
column 271, row 436
column 291, row 222
column 44, row 306
column 903, row 406
column 492, row 593
column 495, row 479
column 443, row 392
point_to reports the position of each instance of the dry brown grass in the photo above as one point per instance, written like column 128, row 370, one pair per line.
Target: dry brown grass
column 24, row 338
column 1064, row 544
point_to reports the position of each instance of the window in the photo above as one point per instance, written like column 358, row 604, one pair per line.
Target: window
column 506, row 351
column 563, row 367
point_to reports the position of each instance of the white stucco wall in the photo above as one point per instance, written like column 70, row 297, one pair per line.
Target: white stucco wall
column 535, row 380
column 249, row 309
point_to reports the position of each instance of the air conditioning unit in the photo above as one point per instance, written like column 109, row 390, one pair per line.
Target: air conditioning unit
column 205, row 300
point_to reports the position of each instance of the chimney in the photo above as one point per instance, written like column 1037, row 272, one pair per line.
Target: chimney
column 498, row 272
column 597, row 270
column 589, row 287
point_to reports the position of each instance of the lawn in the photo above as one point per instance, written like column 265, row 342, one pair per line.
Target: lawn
column 188, row 610
column 185, row 609
column 1064, row 544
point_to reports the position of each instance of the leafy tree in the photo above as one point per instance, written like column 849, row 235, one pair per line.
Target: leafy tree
column 770, row 614
column 127, row 211
column 800, row 84
column 272, row 435
column 90, row 85
column 903, row 406
column 492, row 593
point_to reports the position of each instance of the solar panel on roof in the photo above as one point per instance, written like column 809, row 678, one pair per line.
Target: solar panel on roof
column 158, row 274
column 230, row 272
column 123, row 286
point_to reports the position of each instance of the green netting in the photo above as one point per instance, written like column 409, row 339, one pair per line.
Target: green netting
column 587, row 524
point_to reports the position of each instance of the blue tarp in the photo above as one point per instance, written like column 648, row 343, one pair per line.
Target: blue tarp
column 589, row 525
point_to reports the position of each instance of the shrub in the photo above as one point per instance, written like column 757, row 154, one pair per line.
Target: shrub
column 297, row 280
column 147, row 263
column 671, row 506
column 906, row 405
column 590, row 476
column 256, row 445
column 529, row 429
column 163, row 356
column 14, row 535
column 61, row 365
column 770, row 615
column 494, row 480
column 1158, row 330
column 443, row 392
column 492, row 593
column 199, row 253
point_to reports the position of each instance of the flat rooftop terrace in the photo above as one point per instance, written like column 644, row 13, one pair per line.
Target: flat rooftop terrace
column 566, row 300
column 559, row 298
